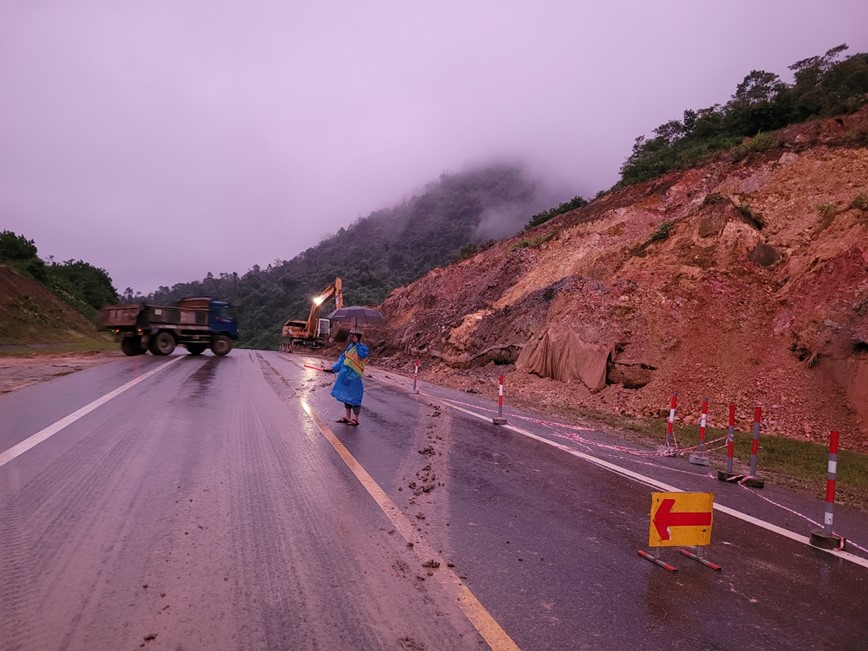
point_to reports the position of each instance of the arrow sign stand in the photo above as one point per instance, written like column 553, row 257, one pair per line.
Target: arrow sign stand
column 696, row 557
column 648, row 557
column 679, row 520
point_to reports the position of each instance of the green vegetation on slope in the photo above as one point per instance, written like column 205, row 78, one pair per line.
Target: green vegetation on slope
column 823, row 86
column 85, row 287
column 543, row 217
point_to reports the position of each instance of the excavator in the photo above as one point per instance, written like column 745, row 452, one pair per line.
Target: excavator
column 315, row 330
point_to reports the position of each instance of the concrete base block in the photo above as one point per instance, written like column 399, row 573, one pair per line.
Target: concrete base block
column 732, row 477
column 498, row 421
column 825, row 541
column 753, row 482
column 699, row 460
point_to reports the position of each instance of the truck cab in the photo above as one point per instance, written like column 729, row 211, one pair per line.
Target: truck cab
column 220, row 319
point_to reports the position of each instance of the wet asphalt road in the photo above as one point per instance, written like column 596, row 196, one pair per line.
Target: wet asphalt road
column 209, row 506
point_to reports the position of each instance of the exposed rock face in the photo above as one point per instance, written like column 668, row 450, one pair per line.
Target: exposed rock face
column 745, row 281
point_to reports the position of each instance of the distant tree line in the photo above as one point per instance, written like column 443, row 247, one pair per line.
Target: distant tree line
column 85, row 287
column 823, row 86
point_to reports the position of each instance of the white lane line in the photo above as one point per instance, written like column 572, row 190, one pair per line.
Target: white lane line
column 40, row 436
column 653, row 483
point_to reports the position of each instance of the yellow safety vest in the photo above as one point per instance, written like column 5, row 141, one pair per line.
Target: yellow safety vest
column 351, row 359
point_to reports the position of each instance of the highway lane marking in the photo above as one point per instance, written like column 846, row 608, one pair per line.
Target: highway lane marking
column 485, row 624
column 653, row 483
column 476, row 613
column 43, row 434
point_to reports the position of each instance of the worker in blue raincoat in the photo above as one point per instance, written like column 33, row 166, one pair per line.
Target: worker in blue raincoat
column 348, row 387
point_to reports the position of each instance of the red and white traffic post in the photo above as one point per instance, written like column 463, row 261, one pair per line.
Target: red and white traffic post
column 826, row 538
column 668, row 449
column 699, row 457
column 730, row 438
column 500, row 420
column 729, row 474
column 752, row 480
column 415, row 376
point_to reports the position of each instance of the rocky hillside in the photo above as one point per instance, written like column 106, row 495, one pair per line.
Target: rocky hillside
column 744, row 280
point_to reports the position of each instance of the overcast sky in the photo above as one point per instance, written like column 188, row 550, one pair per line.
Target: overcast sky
column 163, row 139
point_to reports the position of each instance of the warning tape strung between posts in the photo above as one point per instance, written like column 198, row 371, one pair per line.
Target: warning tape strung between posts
column 591, row 444
column 539, row 421
column 580, row 441
column 553, row 424
column 737, row 479
column 841, row 539
column 620, row 448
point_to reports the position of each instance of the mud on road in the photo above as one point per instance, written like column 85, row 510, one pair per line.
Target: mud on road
column 21, row 371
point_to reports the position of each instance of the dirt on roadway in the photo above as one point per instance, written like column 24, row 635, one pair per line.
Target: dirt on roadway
column 21, row 371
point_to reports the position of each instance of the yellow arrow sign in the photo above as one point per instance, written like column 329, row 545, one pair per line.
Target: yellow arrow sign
column 680, row 519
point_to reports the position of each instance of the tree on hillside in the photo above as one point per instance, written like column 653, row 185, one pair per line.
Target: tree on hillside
column 22, row 254
column 542, row 217
column 88, row 284
column 760, row 103
column 825, row 86
column 16, row 247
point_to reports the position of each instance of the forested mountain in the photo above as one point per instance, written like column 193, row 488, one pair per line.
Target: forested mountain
column 452, row 216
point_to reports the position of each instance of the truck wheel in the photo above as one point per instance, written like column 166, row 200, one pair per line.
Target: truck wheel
column 130, row 346
column 163, row 343
column 196, row 349
column 220, row 345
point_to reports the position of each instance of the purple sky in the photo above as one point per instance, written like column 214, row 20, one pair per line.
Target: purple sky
column 161, row 140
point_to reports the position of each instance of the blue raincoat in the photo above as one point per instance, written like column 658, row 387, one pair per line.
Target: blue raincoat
column 348, row 387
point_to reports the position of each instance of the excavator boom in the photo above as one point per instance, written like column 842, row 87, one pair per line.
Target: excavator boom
column 306, row 331
column 333, row 289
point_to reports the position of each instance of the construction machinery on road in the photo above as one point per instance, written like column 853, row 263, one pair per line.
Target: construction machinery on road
column 315, row 331
column 198, row 322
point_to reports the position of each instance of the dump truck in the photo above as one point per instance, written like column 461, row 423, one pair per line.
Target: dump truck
column 314, row 331
column 197, row 323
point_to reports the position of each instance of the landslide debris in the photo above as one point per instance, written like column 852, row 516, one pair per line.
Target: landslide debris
column 743, row 280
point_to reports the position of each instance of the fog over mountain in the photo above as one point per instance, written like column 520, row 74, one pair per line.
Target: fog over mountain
column 162, row 140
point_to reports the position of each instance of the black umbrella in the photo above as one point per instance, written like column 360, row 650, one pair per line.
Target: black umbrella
column 359, row 314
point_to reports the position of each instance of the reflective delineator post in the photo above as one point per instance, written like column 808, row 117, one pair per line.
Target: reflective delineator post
column 729, row 474
column 668, row 450
column 826, row 538
column 752, row 480
column 415, row 376
column 730, row 438
column 699, row 458
column 500, row 420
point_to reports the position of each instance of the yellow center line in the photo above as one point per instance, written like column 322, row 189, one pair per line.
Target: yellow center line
column 472, row 608
column 476, row 613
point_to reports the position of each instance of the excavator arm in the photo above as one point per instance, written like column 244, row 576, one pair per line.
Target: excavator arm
column 332, row 290
column 306, row 331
